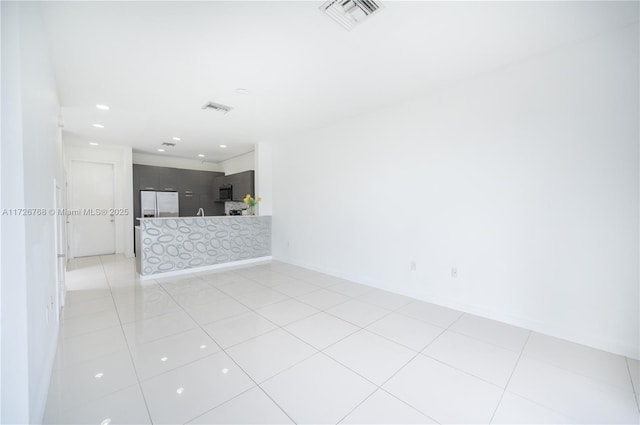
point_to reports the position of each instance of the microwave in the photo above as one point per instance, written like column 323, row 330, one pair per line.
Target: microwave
column 226, row 192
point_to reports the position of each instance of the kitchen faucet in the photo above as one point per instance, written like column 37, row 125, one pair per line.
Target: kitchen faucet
column 200, row 212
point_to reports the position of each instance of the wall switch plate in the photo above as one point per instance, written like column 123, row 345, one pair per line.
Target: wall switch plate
column 454, row 272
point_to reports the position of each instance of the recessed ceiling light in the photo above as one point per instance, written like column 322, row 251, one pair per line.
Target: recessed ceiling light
column 225, row 371
column 241, row 91
column 106, row 421
column 223, row 146
column 93, row 143
column 177, row 139
column 103, row 107
column 180, row 390
column 160, row 150
column 164, row 359
column 201, row 155
column 202, row 347
column 99, row 375
column 98, row 126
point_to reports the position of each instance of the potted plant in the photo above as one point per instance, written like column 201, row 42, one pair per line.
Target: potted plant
column 252, row 203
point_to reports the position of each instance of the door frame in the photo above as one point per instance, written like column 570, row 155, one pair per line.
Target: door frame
column 70, row 191
column 60, row 248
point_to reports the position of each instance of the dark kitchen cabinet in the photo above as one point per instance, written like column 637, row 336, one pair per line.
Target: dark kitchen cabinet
column 188, row 204
column 188, row 181
column 195, row 188
column 243, row 184
column 196, row 181
column 207, row 201
column 167, row 178
column 147, row 177
column 217, row 182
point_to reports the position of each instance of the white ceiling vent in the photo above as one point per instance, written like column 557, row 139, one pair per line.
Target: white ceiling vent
column 349, row 13
column 169, row 144
column 216, row 107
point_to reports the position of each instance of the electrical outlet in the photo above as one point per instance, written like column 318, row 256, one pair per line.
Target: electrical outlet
column 454, row 272
column 412, row 265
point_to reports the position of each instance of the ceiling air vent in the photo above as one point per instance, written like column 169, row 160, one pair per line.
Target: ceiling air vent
column 216, row 107
column 168, row 144
column 349, row 13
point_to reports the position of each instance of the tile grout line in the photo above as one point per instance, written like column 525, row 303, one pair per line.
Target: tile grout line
column 590, row 378
column 318, row 288
column 282, row 327
column 358, row 298
column 103, row 272
column 223, row 350
column 380, row 386
column 318, row 351
column 133, row 365
column 510, row 376
column 565, row 370
column 493, row 344
column 633, row 387
column 181, row 307
column 360, row 328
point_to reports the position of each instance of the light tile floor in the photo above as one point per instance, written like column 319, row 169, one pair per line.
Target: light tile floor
column 274, row 343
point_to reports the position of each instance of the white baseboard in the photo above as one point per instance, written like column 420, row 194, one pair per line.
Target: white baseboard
column 612, row 346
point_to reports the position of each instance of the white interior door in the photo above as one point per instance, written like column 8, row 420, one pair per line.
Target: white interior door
column 92, row 194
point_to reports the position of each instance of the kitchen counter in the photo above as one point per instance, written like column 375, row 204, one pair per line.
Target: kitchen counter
column 197, row 216
column 169, row 245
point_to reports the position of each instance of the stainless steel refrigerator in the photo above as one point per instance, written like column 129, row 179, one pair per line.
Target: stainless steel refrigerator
column 158, row 204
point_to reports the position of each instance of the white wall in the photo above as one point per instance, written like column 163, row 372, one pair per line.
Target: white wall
column 76, row 149
column 525, row 179
column 239, row 163
column 31, row 160
column 174, row 162
column 264, row 177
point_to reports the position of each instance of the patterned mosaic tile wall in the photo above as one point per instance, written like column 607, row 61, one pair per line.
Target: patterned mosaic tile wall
column 184, row 243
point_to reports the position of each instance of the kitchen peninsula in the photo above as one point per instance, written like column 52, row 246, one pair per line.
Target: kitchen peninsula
column 172, row 244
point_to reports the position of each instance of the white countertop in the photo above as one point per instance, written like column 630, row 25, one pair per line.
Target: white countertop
column 206, row 216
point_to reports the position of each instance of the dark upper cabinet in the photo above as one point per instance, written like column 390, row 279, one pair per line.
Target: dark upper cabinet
column 156, row 178
column 167, row 178
column 195, row 188
column 187, row 181
column 198, row 181
column 206, row 181
column 217, row 182
column 237, row 192
column 243, row 184
column 183, row 182
column 147, row 177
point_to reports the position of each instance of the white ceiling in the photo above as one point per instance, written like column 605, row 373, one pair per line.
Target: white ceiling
column 156, row 63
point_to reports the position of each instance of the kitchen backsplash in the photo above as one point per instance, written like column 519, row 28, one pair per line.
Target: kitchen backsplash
column 234, row 205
